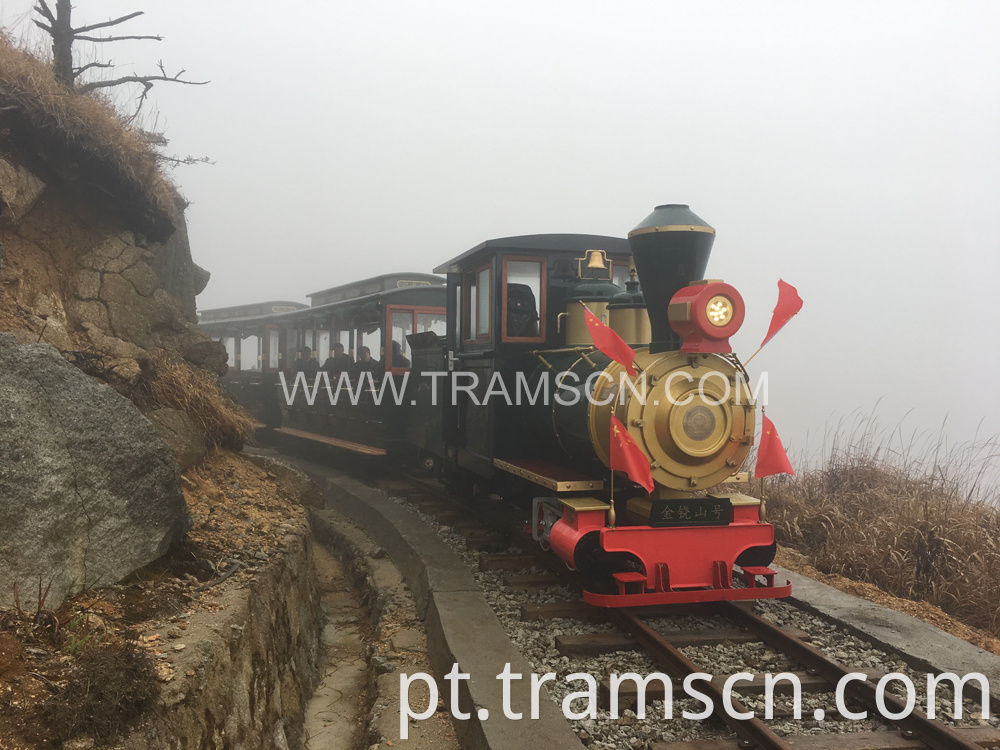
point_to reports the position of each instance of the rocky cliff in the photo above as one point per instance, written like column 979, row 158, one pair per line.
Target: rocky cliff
column 96, row 255
column 81, row 281
column 95, row 263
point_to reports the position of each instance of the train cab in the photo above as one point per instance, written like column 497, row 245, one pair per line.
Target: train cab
column 510, row 301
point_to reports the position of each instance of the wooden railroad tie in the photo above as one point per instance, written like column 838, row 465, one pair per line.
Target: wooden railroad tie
column 485, row 541
column 580, row 610
column 532, row 582
column 430, row 504
column 596, row 644
column 507, row 562
column 447, row 517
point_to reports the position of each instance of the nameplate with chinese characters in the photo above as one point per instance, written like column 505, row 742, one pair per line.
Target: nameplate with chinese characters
column 697, row 511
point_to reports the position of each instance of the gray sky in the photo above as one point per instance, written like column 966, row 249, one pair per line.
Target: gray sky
column 847, row 147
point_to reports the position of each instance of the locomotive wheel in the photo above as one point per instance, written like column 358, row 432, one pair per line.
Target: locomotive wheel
column 759, row 556
column 592, row 561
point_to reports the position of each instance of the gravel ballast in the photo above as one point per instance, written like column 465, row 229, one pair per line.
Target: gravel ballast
column 537, row 641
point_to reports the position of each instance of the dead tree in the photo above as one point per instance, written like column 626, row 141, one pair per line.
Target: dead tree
column 59, row 26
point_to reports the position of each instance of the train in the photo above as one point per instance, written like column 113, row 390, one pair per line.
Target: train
column 488, row 375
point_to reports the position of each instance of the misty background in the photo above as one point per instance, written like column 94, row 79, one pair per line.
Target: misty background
column 850, row 148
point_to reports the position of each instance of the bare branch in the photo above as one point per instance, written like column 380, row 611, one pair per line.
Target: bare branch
column 59, row 27
column 115, row 38
column 146, row 86
column 136, row 79
column 44, row 10
column 105, row 24
column 177, row 161
column 78, row 71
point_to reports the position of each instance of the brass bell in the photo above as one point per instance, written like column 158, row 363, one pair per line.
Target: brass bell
column 596, row 259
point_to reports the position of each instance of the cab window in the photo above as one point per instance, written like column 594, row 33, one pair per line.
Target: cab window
column 476, row 316
column 523, row 306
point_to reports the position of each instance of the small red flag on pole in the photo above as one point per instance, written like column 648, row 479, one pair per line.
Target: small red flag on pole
column 771, row 456
column 628, row 457
column 789, row 303
column 609, row 342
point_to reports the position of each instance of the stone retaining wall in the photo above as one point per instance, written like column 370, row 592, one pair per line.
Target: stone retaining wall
column 254, row 663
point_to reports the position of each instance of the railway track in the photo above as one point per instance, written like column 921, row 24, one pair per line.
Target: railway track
column 916, row 729
column 540, row 600
column 504, row 551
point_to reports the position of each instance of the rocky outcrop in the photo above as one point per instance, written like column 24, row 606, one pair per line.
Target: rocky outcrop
column 79, row 280
column 89, row 491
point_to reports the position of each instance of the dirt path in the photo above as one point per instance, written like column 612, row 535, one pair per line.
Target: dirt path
column 797, row 562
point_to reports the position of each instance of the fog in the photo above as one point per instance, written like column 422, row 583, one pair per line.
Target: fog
column 848, row 148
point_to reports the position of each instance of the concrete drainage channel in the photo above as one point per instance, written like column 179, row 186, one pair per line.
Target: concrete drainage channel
column 372, row 633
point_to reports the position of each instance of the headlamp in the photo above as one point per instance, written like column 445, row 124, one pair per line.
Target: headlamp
column 719, row 310
column 705, row 314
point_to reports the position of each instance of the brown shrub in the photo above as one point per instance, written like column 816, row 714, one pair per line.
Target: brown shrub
column 169, row 383
column 924, row 528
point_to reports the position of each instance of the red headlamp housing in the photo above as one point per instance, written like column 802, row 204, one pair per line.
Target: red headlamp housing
column 705, row 314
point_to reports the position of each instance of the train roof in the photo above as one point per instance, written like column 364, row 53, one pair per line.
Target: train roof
column 373, row 285
column 425, row 295
column 577, row 244
column 251, row 310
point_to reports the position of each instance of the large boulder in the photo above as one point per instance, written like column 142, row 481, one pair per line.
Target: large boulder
column 89, row 492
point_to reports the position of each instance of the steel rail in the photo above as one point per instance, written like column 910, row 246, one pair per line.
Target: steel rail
column 752, row 731
column 933, row 733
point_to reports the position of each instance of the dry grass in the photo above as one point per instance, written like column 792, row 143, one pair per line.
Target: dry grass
column 168, row 383
column 84, row 131
column 919, row 522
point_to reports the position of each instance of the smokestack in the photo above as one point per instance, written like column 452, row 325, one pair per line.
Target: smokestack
column 671, row 248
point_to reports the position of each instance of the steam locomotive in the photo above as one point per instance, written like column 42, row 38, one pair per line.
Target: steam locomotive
column 495, row 384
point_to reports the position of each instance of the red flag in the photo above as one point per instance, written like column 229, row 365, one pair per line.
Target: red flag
column 628, row 457
column 609, row 342
column 788, row 305
column 771, row 456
